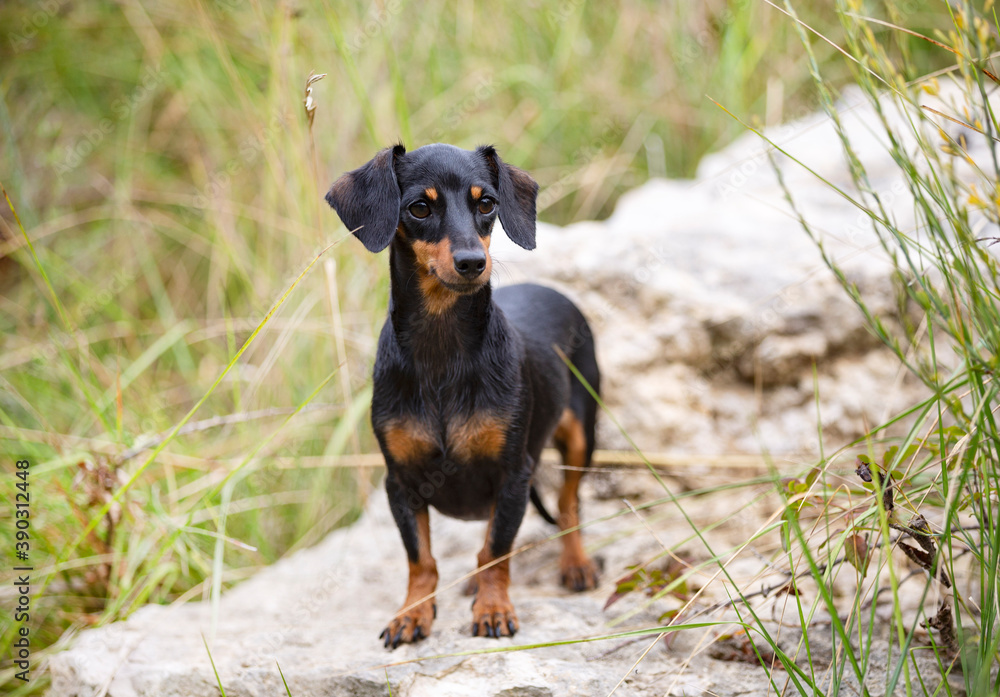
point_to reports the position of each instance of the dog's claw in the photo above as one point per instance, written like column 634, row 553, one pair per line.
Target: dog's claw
column 410, row 627
column 499, row 621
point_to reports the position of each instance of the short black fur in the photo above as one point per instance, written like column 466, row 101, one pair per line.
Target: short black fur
column 468, row 384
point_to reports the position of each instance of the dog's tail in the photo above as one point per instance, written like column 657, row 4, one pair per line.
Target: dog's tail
column 540, row 507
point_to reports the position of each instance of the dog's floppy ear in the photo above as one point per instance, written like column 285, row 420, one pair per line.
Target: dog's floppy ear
column 367, row 199
column 517, row 198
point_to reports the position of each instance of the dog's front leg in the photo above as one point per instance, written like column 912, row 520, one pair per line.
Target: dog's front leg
column 492, row 612
column 413, row 621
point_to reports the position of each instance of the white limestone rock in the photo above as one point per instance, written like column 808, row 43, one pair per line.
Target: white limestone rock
column 711, row 308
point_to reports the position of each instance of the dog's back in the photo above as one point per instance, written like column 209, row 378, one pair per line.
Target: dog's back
column 547, row 320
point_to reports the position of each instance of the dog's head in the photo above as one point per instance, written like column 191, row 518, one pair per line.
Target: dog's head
column 441, row 201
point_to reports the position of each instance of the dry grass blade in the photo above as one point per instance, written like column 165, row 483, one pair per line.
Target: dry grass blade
column 918, row 35
column 961, row 123
column 832, row 43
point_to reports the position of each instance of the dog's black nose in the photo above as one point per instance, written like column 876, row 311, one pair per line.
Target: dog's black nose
column 470, row 263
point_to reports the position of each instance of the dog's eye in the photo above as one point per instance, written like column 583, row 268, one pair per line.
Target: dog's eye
column 486, row 206
column 419, row 209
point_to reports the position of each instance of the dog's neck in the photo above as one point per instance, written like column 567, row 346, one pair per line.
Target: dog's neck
column 448, row 325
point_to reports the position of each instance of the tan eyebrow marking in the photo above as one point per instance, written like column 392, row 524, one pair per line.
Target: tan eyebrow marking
column 431, row 193
column 476, row 192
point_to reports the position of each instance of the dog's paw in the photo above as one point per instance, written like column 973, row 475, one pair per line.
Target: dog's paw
column 493, row 617
column 579, row 574
column 411, row 626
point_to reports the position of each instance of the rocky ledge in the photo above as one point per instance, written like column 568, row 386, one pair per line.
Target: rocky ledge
column 711, row 308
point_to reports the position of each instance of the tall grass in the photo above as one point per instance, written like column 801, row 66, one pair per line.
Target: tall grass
column 169, row 183
column 926, row 537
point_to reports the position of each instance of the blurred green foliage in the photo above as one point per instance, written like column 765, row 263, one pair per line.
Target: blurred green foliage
column 159, row 157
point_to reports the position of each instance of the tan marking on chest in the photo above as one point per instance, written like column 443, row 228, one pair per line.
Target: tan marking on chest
column 408, row 440
column 481, row 436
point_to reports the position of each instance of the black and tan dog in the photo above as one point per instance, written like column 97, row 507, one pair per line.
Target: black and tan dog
column 468, row 385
